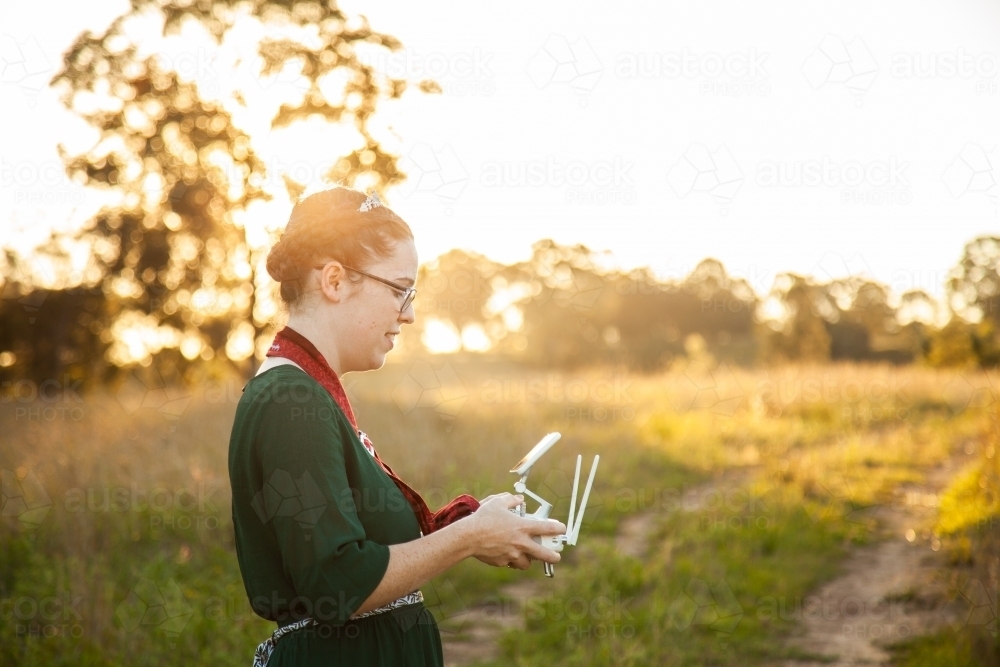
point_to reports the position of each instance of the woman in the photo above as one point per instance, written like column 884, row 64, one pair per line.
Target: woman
column 332, row 545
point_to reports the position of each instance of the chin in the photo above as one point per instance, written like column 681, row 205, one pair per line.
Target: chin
column 377, row 362
column 373, row 363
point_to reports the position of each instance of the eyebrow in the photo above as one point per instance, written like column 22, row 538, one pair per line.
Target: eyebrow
column 406, row 281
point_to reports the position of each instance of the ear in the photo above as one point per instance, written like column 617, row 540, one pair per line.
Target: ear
column 333, row 282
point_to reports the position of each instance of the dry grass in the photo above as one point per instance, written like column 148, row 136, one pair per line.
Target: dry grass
column 117, row 497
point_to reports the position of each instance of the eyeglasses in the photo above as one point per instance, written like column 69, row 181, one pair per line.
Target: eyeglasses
column 408, row 292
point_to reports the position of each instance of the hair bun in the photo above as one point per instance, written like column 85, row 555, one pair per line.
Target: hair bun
column 281, row 266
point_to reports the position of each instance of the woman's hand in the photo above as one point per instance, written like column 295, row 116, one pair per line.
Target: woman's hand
column 504, row 538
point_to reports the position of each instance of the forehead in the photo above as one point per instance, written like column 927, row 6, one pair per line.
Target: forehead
column 402, row 260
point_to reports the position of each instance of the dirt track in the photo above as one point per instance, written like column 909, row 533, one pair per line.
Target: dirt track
column 887, row 591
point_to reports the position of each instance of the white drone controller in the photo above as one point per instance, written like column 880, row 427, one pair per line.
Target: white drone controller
column 553, row 542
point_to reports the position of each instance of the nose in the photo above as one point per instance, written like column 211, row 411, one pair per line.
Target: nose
column 407, row 315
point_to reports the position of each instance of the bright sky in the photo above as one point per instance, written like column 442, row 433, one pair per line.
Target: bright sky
column 773, row 136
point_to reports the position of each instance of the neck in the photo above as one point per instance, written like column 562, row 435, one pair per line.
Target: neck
column 320, row 334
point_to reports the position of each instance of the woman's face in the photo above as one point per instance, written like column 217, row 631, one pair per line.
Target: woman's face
column 371, row 315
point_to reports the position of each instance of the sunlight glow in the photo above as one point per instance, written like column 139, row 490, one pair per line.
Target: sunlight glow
column 441, row 337
column 474, row 338
column 240, row 345
column 136, row 337
column 192, row 345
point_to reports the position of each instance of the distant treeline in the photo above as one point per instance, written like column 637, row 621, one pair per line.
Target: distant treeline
column 575, row 314
column 559, row 310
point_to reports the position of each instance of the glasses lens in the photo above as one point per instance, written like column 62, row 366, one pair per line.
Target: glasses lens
column 408, row 299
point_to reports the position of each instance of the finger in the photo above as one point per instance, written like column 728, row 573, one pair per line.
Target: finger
column 513, row 501
column 521, row 563
column 538, row 552
column 547, row 527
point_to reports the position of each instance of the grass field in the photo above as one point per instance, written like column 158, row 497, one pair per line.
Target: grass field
column 117, row 543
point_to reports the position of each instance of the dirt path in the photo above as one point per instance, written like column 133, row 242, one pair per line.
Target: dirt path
column 633, row 533
column 887, row 592
column 482, row 625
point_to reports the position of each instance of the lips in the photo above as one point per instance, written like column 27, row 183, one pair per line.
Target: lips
column 391, row 337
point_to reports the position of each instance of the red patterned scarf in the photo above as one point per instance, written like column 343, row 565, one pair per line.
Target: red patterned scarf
column 292, row 345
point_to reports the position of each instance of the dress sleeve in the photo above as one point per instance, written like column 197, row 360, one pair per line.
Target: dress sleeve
column 309, row 503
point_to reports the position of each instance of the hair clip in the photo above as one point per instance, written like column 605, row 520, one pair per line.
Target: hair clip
column 371, row 202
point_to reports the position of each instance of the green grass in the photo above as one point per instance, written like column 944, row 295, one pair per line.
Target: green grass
column 719, row 585
column 714, row 592
column 943, row 649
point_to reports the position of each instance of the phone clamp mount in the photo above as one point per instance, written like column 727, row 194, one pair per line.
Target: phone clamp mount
column 523, row 468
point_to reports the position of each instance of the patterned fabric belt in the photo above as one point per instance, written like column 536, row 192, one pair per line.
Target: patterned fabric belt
column 266, row 647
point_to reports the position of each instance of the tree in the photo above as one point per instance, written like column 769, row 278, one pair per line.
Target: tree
column 866, row 326
column 171, row 244
column 974, row 293
column 655, row 318
column 974, row 284
column 952, row 345
column 456, row 288
column 802, row 334
column 564, row 306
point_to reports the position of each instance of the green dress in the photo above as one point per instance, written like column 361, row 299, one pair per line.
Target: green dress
column 313, row 514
